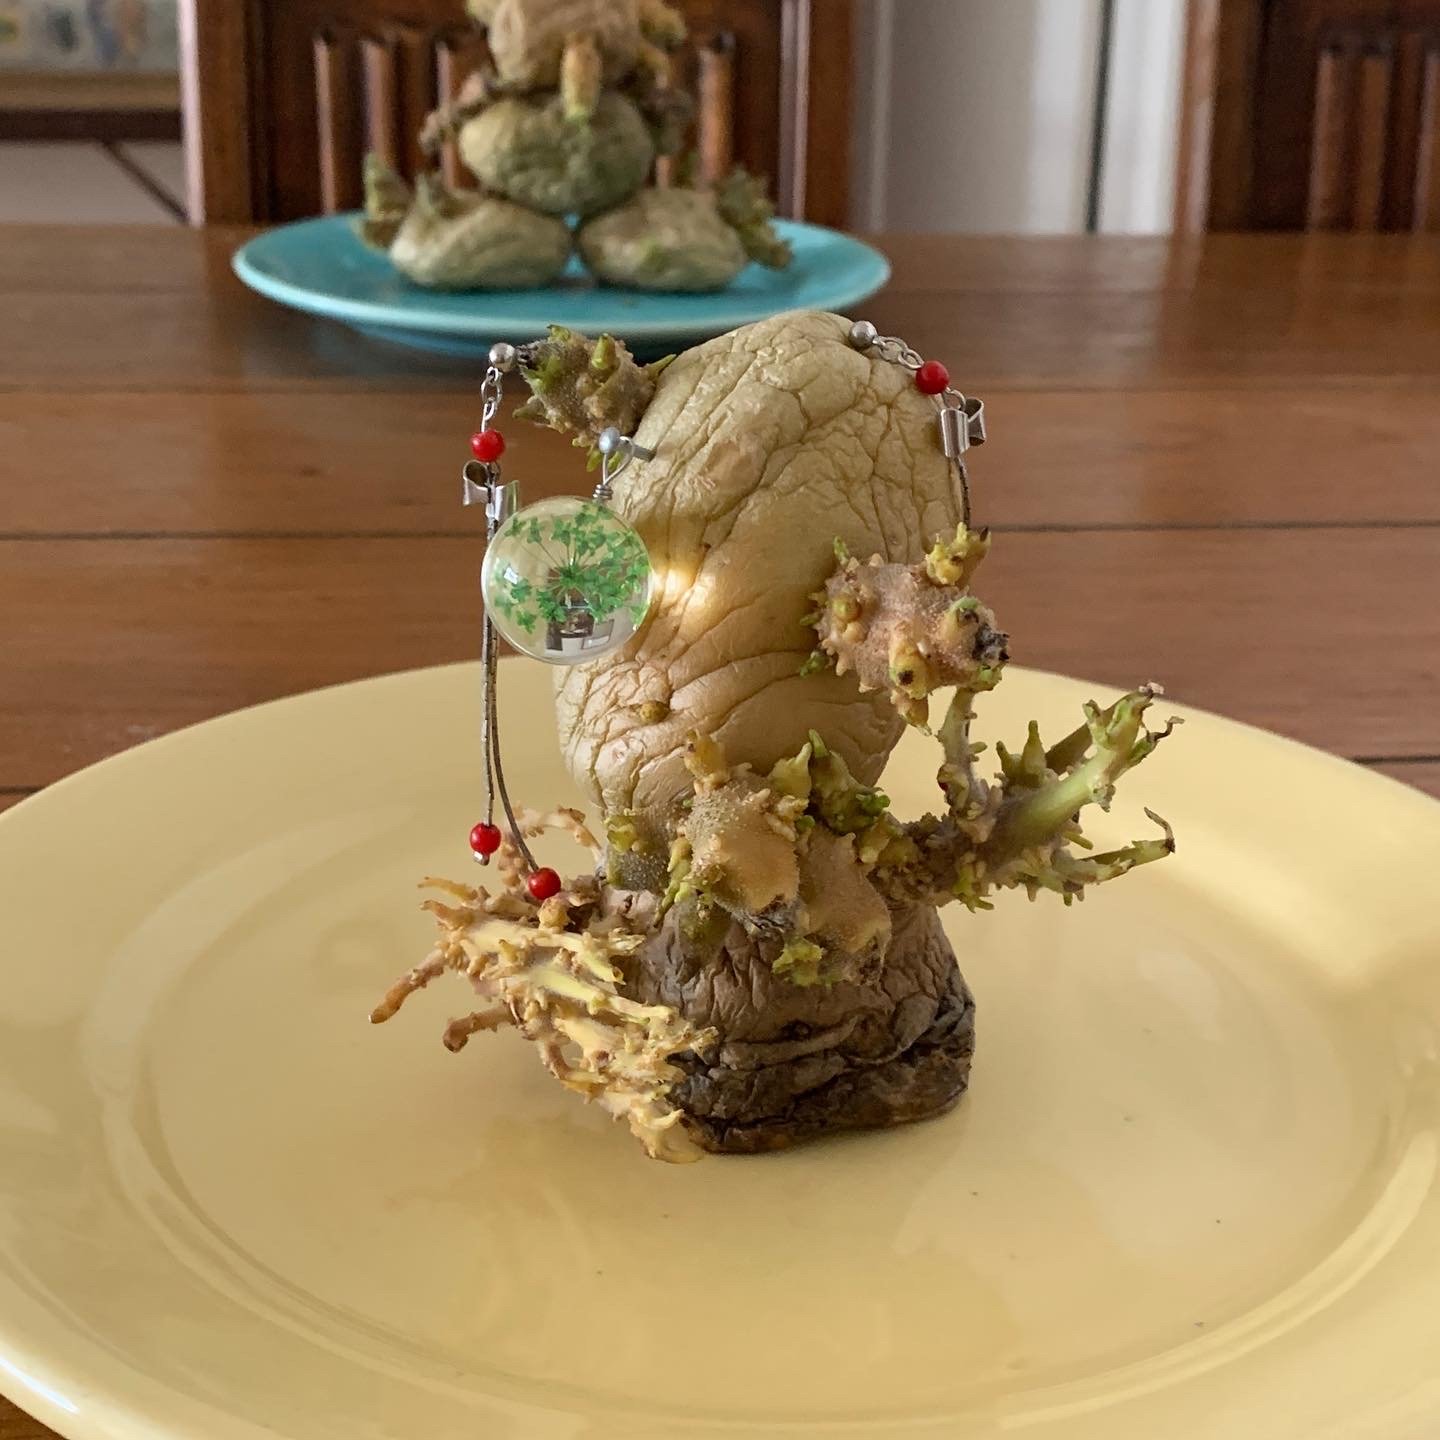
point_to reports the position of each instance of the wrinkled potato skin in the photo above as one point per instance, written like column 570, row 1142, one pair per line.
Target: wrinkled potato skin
column 488, row 245
column 527, row 151
column 770, row 443
column 664, row 240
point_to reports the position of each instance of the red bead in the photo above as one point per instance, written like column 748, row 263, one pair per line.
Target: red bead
column 488, row 445
column 542, row 884
column 932, row 378
column 485, row 839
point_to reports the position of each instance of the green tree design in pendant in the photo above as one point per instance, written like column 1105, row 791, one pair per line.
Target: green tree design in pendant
column 567, row 581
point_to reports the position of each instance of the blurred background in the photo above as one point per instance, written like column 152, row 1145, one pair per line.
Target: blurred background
column 949, row 115
column 973, row 116
column 90, row 111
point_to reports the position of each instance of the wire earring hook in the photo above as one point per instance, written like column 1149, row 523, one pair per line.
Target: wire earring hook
column 616, row 453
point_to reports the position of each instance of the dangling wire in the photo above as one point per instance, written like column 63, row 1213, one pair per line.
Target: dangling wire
column 487, row 723
column 490, row 737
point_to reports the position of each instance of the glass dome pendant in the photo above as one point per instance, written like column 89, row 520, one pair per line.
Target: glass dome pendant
column 567, row 580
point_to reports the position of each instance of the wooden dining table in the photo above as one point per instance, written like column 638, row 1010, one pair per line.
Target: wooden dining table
column 1213, row 461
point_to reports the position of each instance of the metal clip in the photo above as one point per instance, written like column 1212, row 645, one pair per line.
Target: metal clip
column 962, row 425
column 954, row 437
column 481, row 485
column 975, row 420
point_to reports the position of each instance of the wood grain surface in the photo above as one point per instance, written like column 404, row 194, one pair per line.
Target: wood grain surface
column 1215, row 462
column 16, row 1425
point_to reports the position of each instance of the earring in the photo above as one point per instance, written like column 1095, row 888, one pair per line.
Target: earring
column 564, row 581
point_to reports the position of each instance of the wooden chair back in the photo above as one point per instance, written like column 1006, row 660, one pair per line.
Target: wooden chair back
column 284, row 97
column 1311, row 115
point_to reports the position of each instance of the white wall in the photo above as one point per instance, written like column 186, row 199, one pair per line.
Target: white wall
column 1142, row 117
column 979, row 115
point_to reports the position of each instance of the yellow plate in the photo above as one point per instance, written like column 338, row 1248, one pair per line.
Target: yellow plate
column 1192, row 1192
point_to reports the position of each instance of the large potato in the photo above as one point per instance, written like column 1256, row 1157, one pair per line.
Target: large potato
column 664, row 240
column 529, row 151
column 461, row 241
column 770, row 443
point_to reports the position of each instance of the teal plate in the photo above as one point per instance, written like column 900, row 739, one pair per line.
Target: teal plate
column 320, row 266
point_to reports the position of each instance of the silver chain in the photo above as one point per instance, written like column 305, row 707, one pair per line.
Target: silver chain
column 491, row 389
column 897, row 352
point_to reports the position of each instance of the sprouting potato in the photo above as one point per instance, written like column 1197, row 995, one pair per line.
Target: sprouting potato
column 527, row 151
column 763, row 931
column 565, row 122
column 449, row 240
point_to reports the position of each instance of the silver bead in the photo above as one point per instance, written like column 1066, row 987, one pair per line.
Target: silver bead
column 502, row 357
column 610, row 441
column 863, row 334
